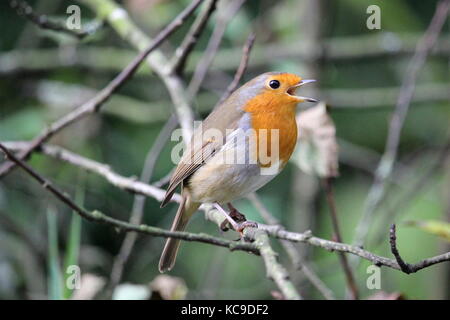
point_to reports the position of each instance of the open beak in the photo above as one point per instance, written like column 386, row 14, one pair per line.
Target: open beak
column 291, row 91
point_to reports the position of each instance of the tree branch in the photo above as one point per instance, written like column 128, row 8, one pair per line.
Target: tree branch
column 182, row 52
column 211, row 214
column 292, row 251
column 137, row 211
column 223, row 18
column 24, row 9
column 275, row 270
column 327, row 184
column 128, row 184
column 94, row 104
column 119, row 20
column 241, row 69
column 386, row 164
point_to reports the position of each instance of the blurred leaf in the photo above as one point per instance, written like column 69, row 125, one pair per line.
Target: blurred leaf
column 436, row 227
column 90, row 286
column 129, row 291
column 73, row 245
column 317, row 150
column 168, row 288
column 55, row 279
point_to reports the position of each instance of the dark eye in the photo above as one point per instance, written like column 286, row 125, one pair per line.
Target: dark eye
column 274, row 84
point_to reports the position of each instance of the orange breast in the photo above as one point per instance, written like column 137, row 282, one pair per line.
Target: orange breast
column 271, row 112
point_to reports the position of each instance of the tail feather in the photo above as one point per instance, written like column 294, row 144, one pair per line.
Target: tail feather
column 184, row 213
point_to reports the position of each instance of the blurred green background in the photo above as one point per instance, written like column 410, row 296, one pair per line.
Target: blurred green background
column 44, row 74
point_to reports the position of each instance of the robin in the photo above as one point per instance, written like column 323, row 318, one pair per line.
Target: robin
column 229, row 164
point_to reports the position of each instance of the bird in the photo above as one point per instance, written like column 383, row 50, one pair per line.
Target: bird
column 224, row 159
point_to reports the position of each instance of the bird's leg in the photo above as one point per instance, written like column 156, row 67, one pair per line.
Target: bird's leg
column 240, row 219
column 236, row 219
column 228, row 219
column 235, row 214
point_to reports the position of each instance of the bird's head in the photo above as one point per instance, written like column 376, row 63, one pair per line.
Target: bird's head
column 273, row 90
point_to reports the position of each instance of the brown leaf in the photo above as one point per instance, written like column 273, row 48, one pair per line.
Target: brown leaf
column 317, row 149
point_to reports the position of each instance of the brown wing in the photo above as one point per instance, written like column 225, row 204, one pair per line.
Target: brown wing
column 202, row 147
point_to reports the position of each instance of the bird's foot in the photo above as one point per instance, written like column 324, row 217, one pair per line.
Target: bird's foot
column 236, row 216
column 240, row 220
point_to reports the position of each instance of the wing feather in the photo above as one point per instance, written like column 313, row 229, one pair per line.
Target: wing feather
column 202, row 147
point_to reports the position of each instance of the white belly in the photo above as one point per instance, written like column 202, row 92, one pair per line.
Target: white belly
column 224, row 181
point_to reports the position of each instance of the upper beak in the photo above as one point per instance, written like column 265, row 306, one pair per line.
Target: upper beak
column 291, row 91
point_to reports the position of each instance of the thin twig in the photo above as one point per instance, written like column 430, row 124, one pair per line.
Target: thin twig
column 94, row 104
column 223, row 18
column 386, row 164
column 42, row 21
column 241, row 69
column 181, row 54
column 405, row 267
column 128, row 184
column 351, row 283
column 292, row 251
column 275, row 270
column 139, row 203
column 121, row 22
column 414, row 189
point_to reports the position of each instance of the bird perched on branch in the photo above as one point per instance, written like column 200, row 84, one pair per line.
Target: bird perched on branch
column 243, row 144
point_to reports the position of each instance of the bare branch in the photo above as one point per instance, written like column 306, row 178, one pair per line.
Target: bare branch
column 275, row 270
column 139, row 203
column 94, row 104
column 42, row 21
column 241, row 69
column 386, row 164
column 129, row 184
column 182, row 52
column 292, row 251
column 223, row 18
column 327, row 183
column 119, row 20
column 412, row 268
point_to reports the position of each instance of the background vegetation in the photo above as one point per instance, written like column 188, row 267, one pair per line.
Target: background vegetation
column 43, row 74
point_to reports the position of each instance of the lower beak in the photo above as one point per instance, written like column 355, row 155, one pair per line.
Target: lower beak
column 291, row 91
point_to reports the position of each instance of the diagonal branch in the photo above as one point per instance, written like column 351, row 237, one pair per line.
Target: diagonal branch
column 137, row 211
column 274, row 269
column 386, row 164
column 128, row 184
column 181, row 54
column 94, row 104
column 241, row 69
column 119, row 20
column 351, row 283
column 223, row 18
column 291, row 250
column 42, row 21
